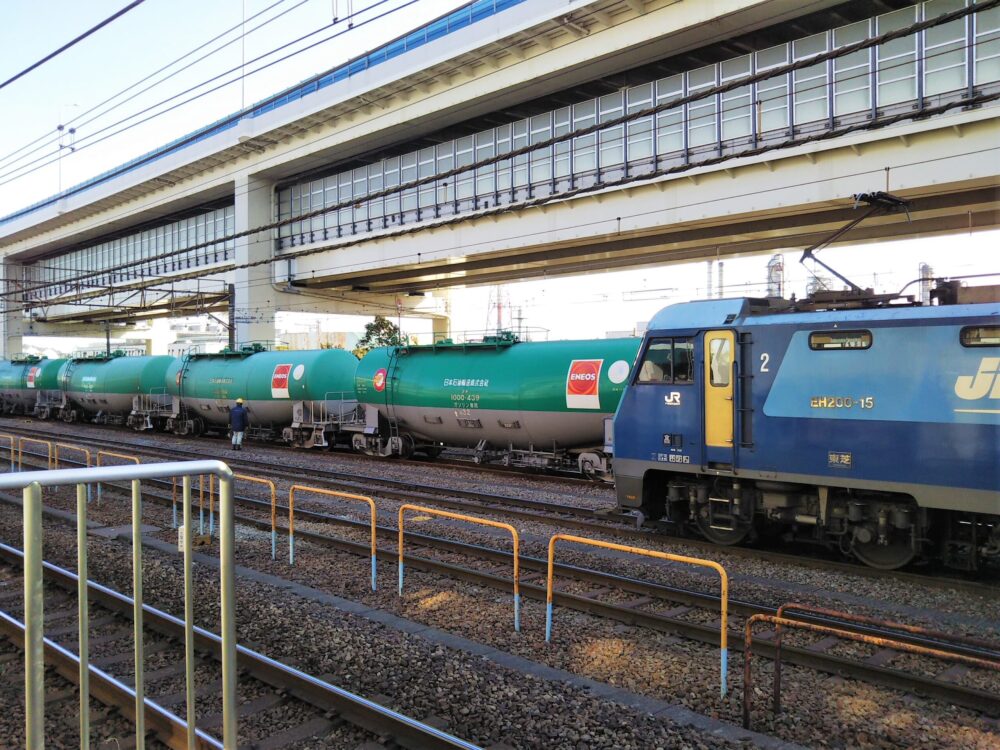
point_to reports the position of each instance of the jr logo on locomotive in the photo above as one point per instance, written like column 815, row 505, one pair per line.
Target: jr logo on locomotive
column 583, row 384
column 279, row 381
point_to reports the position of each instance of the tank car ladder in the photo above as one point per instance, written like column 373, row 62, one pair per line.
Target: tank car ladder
column 395, row 443
column 67, row 413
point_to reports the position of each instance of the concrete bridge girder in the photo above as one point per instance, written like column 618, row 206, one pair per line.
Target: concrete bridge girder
column 783, row 199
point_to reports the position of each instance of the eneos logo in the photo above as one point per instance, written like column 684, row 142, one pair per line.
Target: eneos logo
column 32, row 374
column 379, row 380
column 986, row 381
column 279, row 381
column 583, row 384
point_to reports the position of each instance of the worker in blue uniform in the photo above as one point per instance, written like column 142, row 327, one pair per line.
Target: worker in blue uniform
column 239, row 419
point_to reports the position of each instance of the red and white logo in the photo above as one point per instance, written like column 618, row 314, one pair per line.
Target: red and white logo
column 379, row 380
column 583, row 384
column 279, row 381
column 32, row 374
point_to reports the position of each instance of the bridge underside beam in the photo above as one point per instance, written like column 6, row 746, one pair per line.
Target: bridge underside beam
column 946, row 213
column 777, row 201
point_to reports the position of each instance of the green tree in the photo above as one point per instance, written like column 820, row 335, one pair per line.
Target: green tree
column 380, row 332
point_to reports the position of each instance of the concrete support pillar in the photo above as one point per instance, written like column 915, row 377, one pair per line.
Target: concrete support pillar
column 12, row 318
column 254, row 303
column 441, row 324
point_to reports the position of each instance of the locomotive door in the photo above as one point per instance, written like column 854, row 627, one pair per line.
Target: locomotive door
column 719, row 349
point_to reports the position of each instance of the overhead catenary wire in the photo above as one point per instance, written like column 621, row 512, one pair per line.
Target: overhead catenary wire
column 532, row 203
column 92, row 139
column 72, row 42
column 646, row 112
column 457, row 68
column 78, row 120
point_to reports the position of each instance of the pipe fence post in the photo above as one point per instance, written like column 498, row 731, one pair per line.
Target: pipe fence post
column 34, row 654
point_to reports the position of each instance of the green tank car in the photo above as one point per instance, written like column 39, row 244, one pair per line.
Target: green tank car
column 539, row 404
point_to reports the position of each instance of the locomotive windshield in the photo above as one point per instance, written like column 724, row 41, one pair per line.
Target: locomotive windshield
column 667, row 361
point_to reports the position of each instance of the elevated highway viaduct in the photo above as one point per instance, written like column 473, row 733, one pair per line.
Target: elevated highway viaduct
column 514, row 139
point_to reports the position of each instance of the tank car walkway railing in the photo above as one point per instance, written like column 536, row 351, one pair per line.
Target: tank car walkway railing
column 300, row 488
column 723, row 598
column 469, row 519
column 31, row 484
column 952, row 646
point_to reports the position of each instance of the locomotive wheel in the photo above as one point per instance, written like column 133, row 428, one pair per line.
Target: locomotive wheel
column 724, row 537
column 890, row 556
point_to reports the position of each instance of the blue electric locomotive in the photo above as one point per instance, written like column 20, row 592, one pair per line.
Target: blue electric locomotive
column 873, row 430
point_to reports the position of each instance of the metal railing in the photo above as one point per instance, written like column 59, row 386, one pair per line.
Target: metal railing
column 12, row 441
column 110, row 454
column 470, row 519
column 36, row 441
column 31, row 484
column 723, row 597
column 274, row 509
column 329, row 493
column 79, row 449
column 892, row 643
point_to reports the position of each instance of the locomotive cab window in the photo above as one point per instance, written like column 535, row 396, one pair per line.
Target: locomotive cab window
column 981, row 336
column 824, row 340
column 667, row 361
column 720, row 357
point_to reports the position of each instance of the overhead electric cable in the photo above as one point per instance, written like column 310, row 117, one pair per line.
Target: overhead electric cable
column 712, row 91
column 76, row 120
column 89, row 139
column 511, row 208
column 646, row 112
column 72, row 42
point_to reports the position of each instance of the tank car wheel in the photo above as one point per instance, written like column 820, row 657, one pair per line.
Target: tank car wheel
column 884, row 556
column 406, row 446
column 589, row 470
column 432, row 451
column 725, row 537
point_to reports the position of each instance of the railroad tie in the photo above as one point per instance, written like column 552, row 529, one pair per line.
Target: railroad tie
column 881, row 657
column 200, row 691
column 824, row 644
column 642, row 601
column 293, row 736
column 953, row 673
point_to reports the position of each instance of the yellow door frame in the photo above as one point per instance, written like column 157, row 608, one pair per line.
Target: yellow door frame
column 719, row 355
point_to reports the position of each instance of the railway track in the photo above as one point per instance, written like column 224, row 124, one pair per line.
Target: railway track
column 287, row 706
column 667, row 609
column 606, row 522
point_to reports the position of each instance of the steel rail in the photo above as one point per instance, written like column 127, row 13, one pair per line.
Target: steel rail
column 588, row 575
column 972, row 698
column 168, row 727
column 817, row 563
column 359, row 711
